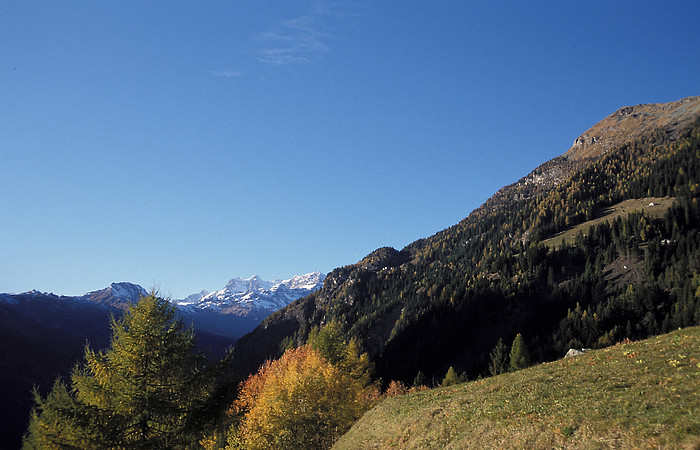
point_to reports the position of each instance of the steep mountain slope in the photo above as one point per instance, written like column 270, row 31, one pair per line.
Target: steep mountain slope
column 625, row 126
column 633, row 122
column 446, row 300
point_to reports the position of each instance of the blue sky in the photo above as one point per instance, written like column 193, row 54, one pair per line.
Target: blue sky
column 178, row 144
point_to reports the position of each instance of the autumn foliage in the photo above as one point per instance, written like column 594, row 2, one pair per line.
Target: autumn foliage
column 298, row 401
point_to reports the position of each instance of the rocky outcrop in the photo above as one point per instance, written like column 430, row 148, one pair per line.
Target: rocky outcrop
column 576, row 352
column 631, row 122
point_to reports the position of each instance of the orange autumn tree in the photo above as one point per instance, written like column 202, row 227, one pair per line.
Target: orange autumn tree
column 299, row 401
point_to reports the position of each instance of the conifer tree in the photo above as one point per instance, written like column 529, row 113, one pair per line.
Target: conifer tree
column 519, row 355
column 499, row 359
column 420, row 379
column 58, row 421
column 149, row 389
column 451, row 378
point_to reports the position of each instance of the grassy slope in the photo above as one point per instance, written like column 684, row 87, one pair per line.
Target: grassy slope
column 609, row 214
column 638, row 394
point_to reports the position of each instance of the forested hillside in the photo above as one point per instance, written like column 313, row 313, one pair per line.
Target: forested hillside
column 447, row 300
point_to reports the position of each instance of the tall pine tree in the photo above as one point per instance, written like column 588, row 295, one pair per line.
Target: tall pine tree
column 149, row 389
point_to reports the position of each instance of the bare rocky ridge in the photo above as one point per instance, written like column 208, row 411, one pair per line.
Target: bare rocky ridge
column 630, row 123
column 625, row 125
column 118, row 295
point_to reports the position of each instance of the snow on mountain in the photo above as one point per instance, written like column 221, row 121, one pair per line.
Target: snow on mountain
column 8, row 298
column 117, row 294
column 251, row 298
column 311, row 281
column 254, row 295
column 127, row 291
column 241, row 286
column 194, row 298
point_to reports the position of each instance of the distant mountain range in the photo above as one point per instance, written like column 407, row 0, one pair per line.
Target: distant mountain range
column 253, row 297
column 228, row 313
column 43, row 334
column 250, row 298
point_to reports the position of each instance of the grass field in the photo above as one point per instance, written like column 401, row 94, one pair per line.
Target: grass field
column 622, row 209
column 633, row 395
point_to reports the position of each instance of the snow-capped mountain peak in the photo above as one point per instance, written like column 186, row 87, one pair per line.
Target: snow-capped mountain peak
column 240, row 285
column 127, row 291
column 117, row 293
column 311, row 281
column 254, row 295
column 194, row 298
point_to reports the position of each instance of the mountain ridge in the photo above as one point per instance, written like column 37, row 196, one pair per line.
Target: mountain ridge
column 255, row 296
column 42, row 335
column 630, row 122
column 118, row 294
column 240, row 296
column 443, row 288
column 619, row 128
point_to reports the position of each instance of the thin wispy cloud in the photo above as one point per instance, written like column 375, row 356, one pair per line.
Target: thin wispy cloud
column 293, row 41
column 228, row 73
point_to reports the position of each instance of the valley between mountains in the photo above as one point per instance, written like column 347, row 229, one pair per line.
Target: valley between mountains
column 44, row 334
column 548, row 263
